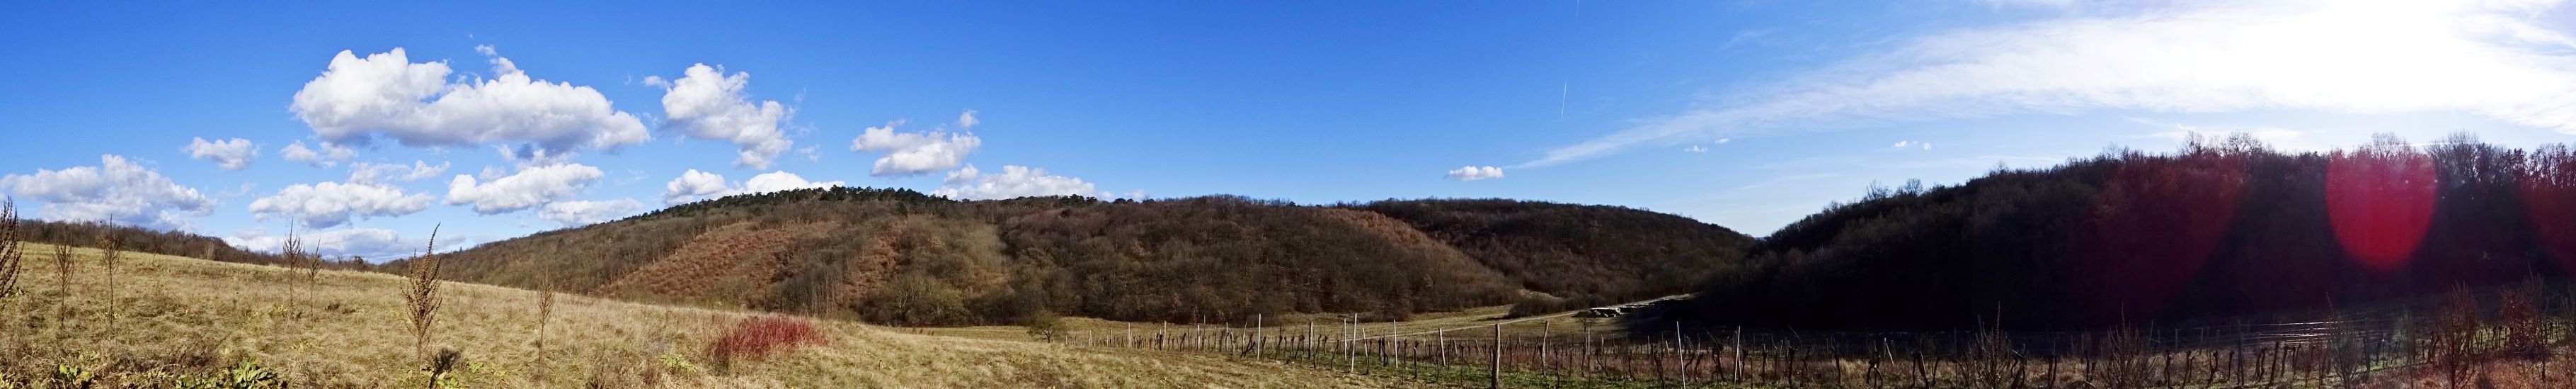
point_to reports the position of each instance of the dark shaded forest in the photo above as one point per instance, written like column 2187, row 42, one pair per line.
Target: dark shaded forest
column 2221, row 228
column 895, row 256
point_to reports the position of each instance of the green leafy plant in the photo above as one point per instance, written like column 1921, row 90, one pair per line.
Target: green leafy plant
column 676, row 362
column 68, row 376
column 245, row 375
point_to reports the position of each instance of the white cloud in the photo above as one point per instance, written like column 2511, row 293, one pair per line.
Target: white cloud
column 385, row 94
column 1472, row 173
column 778, row 181
column 230, row 154
column 528, row 188
column 707, row 104
column 381, row 173
column 1014, row 182
column 329, row 156
column 696, row 185
column 692, row 186
column 374, row 244
column 1695, row 149
column 329, row 204
column 575, row 213
column 2489, row 58
column 1725, row 140
column 117, row 190
column 966, row 121
column 914, row 153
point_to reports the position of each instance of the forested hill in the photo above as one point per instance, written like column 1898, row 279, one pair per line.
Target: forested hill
column 2216, row 229
column 900, row 257
column 1591, row 255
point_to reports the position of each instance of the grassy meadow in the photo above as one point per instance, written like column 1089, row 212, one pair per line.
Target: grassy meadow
column 174, row 321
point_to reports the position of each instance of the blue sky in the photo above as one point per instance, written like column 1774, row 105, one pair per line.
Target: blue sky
column 1746, row 114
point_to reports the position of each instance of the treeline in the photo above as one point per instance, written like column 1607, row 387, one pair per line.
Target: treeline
column 2221, row 228
column 898, row 257
column 137, row 239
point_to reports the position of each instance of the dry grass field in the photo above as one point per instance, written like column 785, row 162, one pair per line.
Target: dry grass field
column 175, row 319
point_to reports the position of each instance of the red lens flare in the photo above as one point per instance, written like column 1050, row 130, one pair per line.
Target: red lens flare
column 2549, row 198
column 2157, row 223
column 2379, row 200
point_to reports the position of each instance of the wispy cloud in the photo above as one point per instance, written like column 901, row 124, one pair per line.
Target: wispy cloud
column 2491, row 58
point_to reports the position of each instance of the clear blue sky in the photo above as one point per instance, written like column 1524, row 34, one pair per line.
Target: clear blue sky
column 1746, row 114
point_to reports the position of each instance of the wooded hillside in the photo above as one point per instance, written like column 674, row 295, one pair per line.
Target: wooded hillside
column 900, row 257
column 2216, row 229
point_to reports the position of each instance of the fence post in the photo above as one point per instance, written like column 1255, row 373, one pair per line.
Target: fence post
column 1494, row 372
column 1256, row 335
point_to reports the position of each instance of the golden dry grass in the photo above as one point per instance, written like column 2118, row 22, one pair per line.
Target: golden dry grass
column 183, row 316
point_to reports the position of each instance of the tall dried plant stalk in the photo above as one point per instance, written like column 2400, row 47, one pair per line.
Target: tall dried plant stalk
column 423, row 295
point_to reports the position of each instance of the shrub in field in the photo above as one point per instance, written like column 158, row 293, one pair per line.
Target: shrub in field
column 2520, row 307
column 760, row 337
column 1536, row 304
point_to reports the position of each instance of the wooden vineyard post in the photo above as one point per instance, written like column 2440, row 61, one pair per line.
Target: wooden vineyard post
column 1309, row 341
column 1681, row 367
column 1256, row 335
column 1494, row 371
column 1444, row 348
column 1542, row 346
column 1387, row 346
column 1348, row 332
column 1739, row 354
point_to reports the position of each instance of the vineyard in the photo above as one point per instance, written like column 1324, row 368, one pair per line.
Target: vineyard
column 2507, row 338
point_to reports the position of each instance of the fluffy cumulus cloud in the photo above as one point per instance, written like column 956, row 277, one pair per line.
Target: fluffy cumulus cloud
column 528, row 188
column 697, row 185
column 330, row 155
column 380, row 173
column 917, row 153
column 707, row 104
column 358, row 99
column 693, row 185
column 117, row 190
column 230, row 154
column 1472, row 173
column 2492, row 58
column 331, row 204
column 576, row 213
column 1014, row 181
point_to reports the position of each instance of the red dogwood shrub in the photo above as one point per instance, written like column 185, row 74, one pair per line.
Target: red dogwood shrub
column 760, row 337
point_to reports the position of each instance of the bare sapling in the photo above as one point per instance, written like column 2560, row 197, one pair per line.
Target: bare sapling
column 293, row 250
column 545, row 312
column 423, row 295
column 63, row 280
column 108, row 254
column 11, row 252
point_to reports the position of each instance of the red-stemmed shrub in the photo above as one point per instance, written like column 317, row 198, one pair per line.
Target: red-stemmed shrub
column 760, row 337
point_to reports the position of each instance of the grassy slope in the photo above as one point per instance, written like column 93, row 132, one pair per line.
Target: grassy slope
column 191, row 317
